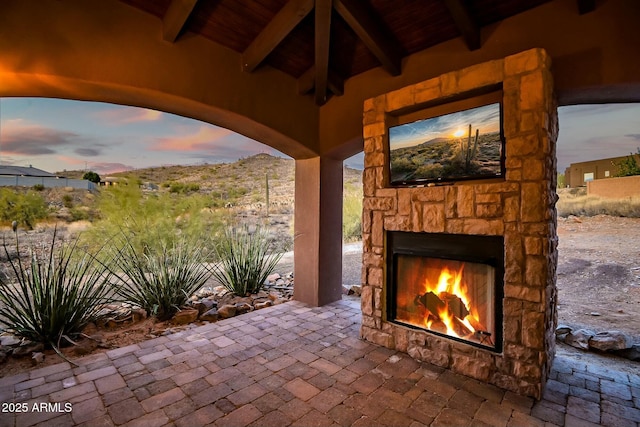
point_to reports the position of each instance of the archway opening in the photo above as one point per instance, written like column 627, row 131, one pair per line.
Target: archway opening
column 598, row 276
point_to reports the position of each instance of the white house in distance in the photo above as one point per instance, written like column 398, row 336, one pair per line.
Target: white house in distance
column 23, row 176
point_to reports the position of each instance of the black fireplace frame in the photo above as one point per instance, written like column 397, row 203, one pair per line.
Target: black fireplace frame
column 460, row 247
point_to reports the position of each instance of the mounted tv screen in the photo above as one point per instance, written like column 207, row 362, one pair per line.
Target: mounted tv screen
column 459, row 146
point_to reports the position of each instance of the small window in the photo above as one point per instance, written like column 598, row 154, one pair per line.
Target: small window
column 588, row 177
column 606, row 174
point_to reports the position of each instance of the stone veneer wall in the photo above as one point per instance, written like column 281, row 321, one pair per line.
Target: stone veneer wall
column 521, row 208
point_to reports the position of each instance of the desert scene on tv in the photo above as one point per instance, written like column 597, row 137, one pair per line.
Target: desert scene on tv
column 462, row 145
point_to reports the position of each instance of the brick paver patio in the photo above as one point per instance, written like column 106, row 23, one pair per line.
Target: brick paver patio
column 295, row 365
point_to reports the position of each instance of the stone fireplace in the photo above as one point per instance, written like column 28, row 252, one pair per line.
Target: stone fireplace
column 463, row 275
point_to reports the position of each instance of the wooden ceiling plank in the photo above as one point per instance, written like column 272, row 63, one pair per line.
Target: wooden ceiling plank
column 307, row 81
column 322, row 39
column 465, row 22
column 276, row 30
column 174, row 19
column 361, row 18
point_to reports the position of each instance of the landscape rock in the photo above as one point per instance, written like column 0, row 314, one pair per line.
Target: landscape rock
column 4, row 353
column 28, row 349
column 138, row 314
column 243, row 307
column 632, row 353
column 563, row 329
column 227, row 311
column 357, row 290
column 273, row 277
column 579, row 339
column 185, row 316
column 210, row 315
column 264, row 304
column 9, row 340
column 209, row 303
column 37, row 358
column 610, row 340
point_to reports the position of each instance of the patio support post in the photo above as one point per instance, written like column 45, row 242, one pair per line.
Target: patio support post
column 318, row 231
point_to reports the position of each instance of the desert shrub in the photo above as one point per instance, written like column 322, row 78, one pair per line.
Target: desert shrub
column 245, row 259
column 628, row 166
column 577, row 202
column 126, row 209
column 67, row 201
column 55, row 295
column 26, row 208
column 352, row 213
column 38, row 187
column 162, row 276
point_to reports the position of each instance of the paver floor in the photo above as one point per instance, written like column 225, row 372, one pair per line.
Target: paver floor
column 293, row 365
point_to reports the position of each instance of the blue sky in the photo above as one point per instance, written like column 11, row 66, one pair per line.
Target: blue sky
column 55, row 134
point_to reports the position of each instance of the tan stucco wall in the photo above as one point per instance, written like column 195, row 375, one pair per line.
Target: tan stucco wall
column 615, row 188
column 601, row 169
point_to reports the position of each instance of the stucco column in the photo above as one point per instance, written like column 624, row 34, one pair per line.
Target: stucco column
column 318, row 231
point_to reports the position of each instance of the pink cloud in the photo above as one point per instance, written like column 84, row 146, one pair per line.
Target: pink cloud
column 122, row 115
column 206, row 138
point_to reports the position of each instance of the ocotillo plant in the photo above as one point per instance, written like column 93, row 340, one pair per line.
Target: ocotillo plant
column 267, row 192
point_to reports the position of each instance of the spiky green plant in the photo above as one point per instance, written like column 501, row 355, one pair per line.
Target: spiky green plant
column 245, row 259
column 55, row 295
column 162, row 277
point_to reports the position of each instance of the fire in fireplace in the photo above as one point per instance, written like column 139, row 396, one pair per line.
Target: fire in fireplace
column 450, row 285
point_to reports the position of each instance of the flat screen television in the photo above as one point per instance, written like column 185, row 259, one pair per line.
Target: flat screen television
column 464, row 145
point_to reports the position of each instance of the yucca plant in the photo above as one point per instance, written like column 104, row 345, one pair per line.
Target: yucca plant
column 55, row 295
column 162, row 277
column 244, row 260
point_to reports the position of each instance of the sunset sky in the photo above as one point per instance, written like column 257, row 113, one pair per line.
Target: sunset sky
column 54, row 135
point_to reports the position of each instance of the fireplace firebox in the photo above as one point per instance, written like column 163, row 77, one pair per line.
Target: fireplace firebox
column 447, row 284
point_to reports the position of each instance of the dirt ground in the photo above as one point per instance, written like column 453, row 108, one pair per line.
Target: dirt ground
column 598, row 282
column 599, row 273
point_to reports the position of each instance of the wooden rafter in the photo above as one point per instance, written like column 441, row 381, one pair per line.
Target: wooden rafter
column 275, row 31
column 467, row 26
column 361, row 18
column 307, row 81
column 175, row 18
column 322, row 39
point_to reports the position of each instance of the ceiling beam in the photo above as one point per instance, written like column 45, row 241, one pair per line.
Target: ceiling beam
column 586, row 6
column 175, row 18
column 322, row 39
column 362, row 19
column 276, row 30
column 465, row 22
column 307, row 81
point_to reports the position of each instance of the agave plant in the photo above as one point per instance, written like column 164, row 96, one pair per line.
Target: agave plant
column 162, row 277
column 55, row 295
column 245, row 260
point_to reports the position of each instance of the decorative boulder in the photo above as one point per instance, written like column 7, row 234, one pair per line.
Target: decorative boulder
column 185, row 316
column 227, row 311
column 610, row 340
column 579, row 339
column 210, row 315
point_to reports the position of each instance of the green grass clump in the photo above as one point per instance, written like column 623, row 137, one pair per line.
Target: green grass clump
column 25, row 208
column 161, row 277
column 352, row 213
column 55, row 295
column 245, row 259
